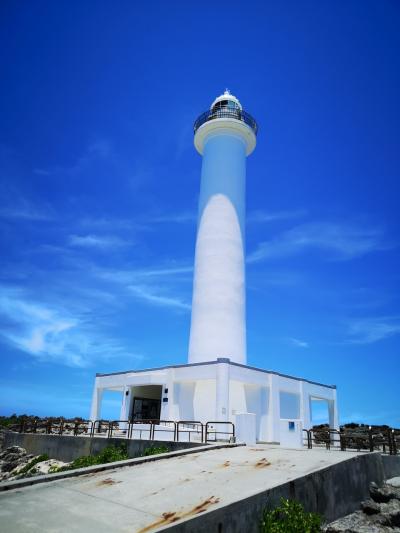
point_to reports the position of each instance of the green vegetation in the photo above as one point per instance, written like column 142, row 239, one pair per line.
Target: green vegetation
column 108, row 455
column 7, row 421
column 289, row 517
column 31, row 464
column 153, row 450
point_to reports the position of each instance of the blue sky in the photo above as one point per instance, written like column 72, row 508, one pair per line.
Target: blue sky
column 99, row 183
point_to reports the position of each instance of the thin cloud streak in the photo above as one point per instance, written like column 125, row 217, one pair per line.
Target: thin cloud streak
column 25, row 211
column 260, row 216
column 176, row 218
column 149, row 294
column 340, row 242
column 371, row 330
column 298, row 343
column 132, row 276
column 96, row 241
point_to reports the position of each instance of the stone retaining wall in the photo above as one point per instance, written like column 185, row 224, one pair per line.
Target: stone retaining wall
column 67, row 448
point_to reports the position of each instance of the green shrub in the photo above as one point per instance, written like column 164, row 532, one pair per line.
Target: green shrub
column 290, row 517
column 108, row 455
column 153, row 450
column 32, row 463
column 113, row 453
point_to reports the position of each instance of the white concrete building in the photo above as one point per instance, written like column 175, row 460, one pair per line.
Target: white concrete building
column 217, row 384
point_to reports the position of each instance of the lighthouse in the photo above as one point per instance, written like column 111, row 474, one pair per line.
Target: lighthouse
column 224, row 135
column 217, row 388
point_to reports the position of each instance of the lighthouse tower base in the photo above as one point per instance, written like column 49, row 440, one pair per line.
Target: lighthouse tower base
column 279, row 406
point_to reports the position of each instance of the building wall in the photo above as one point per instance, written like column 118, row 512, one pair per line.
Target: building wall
column 192, row 395
column 184, row 400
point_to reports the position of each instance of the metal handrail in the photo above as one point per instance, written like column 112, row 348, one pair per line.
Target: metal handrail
column 232, row 433
column 190, row 423
column 308, row 436
column 235, row 114
column 146, row 422
column 386, row 440
column 326, row 437
column 114, row 425
column 164, row 422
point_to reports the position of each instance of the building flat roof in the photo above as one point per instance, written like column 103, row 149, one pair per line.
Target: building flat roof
column 219, row 360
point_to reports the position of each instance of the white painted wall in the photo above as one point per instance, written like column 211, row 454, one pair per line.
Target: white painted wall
column 184, row 399
column 192, row 395
column 291, row 438
column 246, row 430
column 205, row 399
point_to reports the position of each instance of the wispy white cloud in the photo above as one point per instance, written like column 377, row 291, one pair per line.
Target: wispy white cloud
column 50, row 334
column 370, row 330
column 260, row 216
column 24, row 210
column 109, row 224
column 177, row 218
column 136, row 275
column 161, row 287
column 154, row 296
column 340, row 242
column 97, row 241
column 98, row 150
column 298, row 343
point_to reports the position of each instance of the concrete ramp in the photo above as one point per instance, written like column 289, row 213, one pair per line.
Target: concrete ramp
column 217, row 491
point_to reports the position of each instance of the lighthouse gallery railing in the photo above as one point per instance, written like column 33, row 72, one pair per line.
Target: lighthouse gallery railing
column 236, row 114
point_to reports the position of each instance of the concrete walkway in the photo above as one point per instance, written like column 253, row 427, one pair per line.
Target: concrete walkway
column 150, row 496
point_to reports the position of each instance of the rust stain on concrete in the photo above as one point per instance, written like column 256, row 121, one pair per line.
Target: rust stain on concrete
column 107, row 481
column 170, row 517
column 262, row 463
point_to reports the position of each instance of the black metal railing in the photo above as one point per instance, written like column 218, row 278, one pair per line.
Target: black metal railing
column 189, row 428
column 214, row 431
column 387, row 441
column 236, row 114
column 182, row 431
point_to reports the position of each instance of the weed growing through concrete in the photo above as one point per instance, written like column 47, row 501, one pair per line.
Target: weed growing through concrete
column 154, row 450
column 290, row 517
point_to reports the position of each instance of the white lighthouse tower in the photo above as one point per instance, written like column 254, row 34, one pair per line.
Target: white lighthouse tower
column 216, row 385
column 225, row 135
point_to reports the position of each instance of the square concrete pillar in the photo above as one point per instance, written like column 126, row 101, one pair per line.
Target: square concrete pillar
column 274, row 410
column 97, row 397
column 305, row 406
column 333, row 413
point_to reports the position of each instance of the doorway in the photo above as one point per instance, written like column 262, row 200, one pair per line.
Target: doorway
column 145, row 402
column 146, row 409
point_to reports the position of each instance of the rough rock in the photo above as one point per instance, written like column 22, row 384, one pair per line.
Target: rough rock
column 379, row 514
column 389, row 514
column 2, row 436
column 44, row 466
column 383, row 494
column 370, row 507
column 15, row 459
column 14, row 450
column 12, row 459
column 356, row 523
